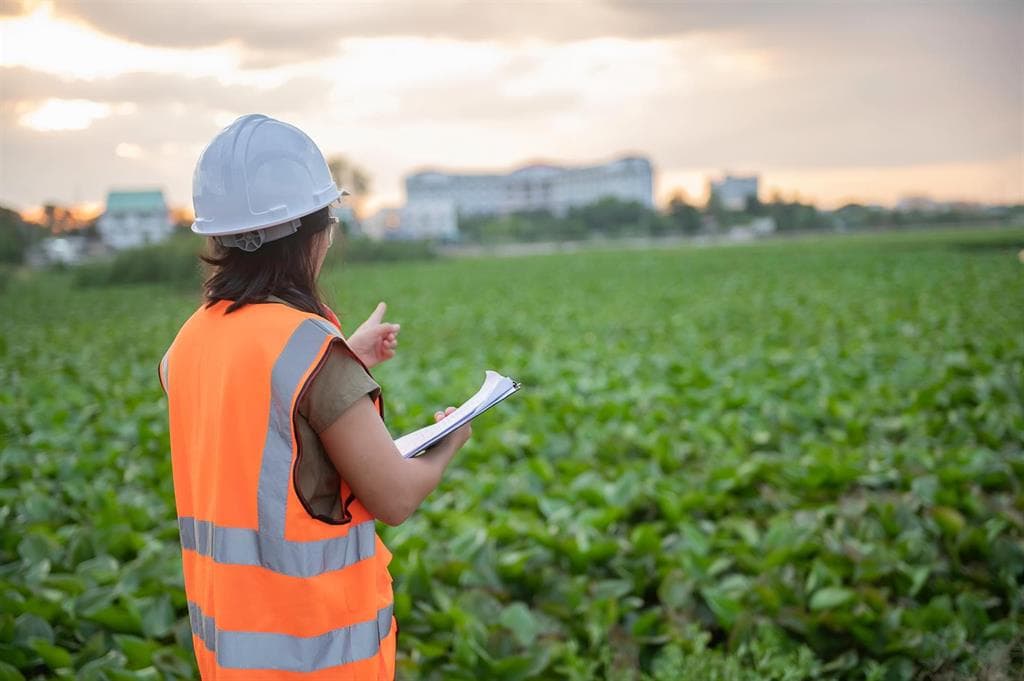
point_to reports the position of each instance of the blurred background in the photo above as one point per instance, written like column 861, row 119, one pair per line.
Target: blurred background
column 758, row 265
column 442, row 113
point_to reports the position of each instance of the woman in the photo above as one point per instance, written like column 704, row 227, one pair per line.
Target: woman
column 280, row 457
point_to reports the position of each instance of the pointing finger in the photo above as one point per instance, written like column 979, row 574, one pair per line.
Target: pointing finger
column 378, row 312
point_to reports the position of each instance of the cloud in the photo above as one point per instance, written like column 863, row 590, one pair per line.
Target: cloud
column 301, row 26
column 284, row 32
column 797, row 86
column 836, row 114
column 154, row 127
column 11, row 8
column 276, row 33
column 66, row 166
column 21, row 84
column 479, row 100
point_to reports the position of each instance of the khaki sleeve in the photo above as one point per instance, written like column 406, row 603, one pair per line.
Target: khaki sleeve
column 339, row 383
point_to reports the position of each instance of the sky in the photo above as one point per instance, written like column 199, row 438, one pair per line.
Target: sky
column 827, row 101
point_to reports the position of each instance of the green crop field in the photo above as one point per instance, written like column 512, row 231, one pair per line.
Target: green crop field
column 788, row 460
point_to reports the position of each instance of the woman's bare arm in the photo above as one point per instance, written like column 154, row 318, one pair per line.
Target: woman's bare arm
column 365, row 456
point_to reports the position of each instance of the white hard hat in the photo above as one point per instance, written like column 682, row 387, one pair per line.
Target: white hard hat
column 254, row 181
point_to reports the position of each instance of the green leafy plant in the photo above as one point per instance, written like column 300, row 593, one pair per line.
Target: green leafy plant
column 787, row 460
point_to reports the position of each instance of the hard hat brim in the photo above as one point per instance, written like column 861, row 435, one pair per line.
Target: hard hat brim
column 196, row 229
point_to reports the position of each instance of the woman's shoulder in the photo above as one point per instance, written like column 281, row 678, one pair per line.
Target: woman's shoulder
column 273, row 310
column 262, row 327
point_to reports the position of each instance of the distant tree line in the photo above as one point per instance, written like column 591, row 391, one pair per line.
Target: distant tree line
column 611, row 217
column 17, row 236
column 855, row 215
column 607, row 218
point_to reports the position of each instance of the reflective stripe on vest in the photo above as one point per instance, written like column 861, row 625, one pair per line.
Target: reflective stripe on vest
column 241, row 546
column 267, row 547
column 302, row 559
column 260, row 650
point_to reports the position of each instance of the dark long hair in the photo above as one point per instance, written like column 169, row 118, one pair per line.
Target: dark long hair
column 282, row 268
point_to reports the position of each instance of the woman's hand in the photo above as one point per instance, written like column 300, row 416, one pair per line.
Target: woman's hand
column 457, row 438
column 375, row 340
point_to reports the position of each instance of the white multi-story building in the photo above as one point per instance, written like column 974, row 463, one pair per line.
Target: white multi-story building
column 734, row 191
column 436, row 200
column 134, row 218
column 429, row 216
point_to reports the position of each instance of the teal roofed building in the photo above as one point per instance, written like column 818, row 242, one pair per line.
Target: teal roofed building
column 134, row 218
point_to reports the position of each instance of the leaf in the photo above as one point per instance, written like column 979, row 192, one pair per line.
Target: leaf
column 925, row 488
column 54, row 656
column 118, row 617
column 611, row 589
column 137, row 651
column 725, row 607
column 9, row 673
column 521, row 622
column 173, row 661
column 949, row 519
column 157, row 616
column 831, row 597
column 147, row 674
column 28, row 627
column 36, row 547
column 675, row 591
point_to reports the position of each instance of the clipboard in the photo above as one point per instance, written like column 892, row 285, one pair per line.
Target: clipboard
column 495, row 388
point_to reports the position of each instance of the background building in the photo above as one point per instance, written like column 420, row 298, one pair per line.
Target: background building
column 134, row 218
column 429, row 217
column 923, row 204
column 734, row 191
column 386, row 223
column 436, row 200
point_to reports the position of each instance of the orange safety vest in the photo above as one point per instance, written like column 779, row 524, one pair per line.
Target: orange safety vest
column 273, row 593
